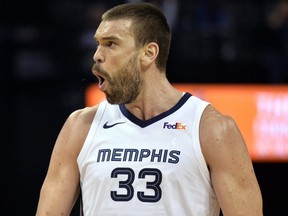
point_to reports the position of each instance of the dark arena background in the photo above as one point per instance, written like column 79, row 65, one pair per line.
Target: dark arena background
column 46, row 50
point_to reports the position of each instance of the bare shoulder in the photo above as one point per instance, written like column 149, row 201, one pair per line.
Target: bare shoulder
column 80, row 120
column 220, row 134
column 61, row 184
column 76, row 127
column 230, row 165
column 214, row 123
column 83, row 116
column 215, row 120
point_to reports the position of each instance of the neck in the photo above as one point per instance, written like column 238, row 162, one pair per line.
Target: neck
column 156, row 97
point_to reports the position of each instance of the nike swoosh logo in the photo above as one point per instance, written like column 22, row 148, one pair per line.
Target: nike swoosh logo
column 106, row 126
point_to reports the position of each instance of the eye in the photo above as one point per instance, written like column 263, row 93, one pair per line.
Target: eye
column 109, row 44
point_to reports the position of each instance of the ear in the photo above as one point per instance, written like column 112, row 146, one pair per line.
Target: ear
column 150, row 53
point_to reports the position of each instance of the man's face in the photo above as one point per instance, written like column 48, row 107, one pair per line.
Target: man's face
column 117, row 62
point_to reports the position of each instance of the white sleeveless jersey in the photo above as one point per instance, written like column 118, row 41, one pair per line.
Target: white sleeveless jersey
column 154, row 167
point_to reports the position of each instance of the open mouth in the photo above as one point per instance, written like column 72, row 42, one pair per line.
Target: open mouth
column 99, row 75
column 101, row 79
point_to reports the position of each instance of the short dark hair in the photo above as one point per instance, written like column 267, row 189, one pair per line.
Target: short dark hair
column 148, row 25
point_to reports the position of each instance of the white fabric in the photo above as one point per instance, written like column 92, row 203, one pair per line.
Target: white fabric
column 165, row 166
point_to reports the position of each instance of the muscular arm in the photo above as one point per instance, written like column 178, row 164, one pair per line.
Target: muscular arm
column 230, row 166
column 61, row 186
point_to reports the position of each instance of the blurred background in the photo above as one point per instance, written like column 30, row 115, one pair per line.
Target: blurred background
column 46, row 50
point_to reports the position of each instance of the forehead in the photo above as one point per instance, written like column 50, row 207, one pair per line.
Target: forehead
column 119, row 29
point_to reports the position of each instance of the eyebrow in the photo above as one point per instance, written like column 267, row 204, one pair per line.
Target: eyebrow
column 107, row 38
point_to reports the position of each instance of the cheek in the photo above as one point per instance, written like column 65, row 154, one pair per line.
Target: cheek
column 112, row 66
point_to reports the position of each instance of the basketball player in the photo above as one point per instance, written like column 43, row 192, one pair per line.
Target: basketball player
column 149, row 149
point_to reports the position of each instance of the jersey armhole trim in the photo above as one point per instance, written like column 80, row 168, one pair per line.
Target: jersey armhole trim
column 197, row 144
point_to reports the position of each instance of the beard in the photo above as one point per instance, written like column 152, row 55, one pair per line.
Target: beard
column 125, row 86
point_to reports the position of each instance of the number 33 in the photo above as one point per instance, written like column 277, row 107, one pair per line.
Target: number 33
column 127, row 184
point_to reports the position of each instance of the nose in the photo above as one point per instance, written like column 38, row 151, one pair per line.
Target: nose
column 98, row 55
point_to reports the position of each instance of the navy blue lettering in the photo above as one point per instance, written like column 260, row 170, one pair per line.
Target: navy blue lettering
column 155, row 155
column 104, row 155
column 145, row 153
column 174, row 158
column 165, row 155
column 132, row 154
column 116, row 155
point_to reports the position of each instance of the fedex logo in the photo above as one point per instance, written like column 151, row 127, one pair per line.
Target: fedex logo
column 177, row 126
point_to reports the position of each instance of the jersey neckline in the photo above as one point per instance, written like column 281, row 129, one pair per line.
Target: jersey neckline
column 145, row 123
